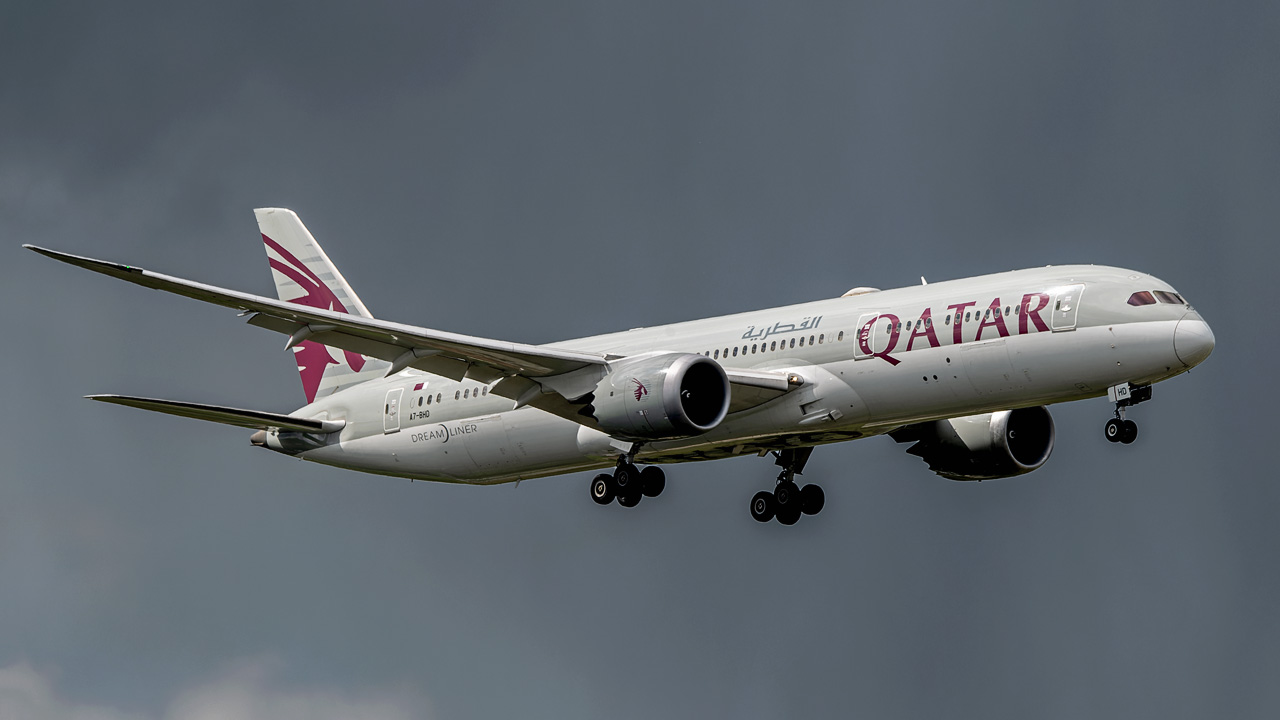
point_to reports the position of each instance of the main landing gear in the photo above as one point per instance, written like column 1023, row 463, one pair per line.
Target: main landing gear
column 628, row 483
column 788, row 502
column 1119, row 429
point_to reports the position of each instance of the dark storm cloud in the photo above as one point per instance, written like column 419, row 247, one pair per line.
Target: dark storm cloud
column 536, row 173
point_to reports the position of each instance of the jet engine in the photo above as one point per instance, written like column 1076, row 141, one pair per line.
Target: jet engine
column 983, row 447
column 666, row 395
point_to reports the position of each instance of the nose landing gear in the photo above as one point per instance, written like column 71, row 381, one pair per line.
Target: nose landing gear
column 1120, row 429
column 788, row 501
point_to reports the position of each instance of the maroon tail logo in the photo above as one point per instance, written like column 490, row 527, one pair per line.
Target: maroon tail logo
column 640, row 390
column 312, row 357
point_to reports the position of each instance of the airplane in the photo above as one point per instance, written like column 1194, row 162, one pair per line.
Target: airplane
column 962, row 369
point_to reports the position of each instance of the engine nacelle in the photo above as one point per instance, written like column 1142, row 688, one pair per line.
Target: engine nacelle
column 983, row 447
column 654, row 397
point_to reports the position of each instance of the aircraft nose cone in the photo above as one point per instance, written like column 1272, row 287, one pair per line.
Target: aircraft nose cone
column 1192, row 340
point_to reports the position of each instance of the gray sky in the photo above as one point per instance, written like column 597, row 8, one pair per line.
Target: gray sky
column 535, row 173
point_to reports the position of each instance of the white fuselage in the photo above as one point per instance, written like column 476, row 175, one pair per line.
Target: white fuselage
column 870, row 363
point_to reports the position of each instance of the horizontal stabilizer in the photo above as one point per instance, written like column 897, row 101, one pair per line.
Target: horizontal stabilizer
column 225, row 415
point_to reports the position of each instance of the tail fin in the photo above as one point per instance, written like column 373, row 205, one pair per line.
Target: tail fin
column 305, row 275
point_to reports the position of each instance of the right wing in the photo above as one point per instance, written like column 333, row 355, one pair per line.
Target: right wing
column 550, row 379
column 451, row 355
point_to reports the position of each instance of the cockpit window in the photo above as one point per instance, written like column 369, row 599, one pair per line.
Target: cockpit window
column 1171, row 298
column 1142, row 298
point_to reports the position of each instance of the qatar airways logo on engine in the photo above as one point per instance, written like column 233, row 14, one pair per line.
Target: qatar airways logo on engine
column 992, row 321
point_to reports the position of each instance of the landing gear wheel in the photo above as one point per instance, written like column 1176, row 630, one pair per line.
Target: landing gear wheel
column 602, row 489
column 626, row 480
column 789, row 515
column 1128, row 431
column 786, row 495
column 1114, row 429
column 629, row 500
column 812, row 499
column 763, row 506
column 652, row 481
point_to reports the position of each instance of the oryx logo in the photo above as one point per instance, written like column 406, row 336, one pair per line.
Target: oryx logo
column 640, row 390
column 312, row 357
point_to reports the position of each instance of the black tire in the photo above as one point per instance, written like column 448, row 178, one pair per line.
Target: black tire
column 626, row 480
column 602, row 489
column 789, row 515
column 763, row 506
column 1113, row 430
column 630, row 500
column 652, row 481
column 1128, row 432
column 812, row 499
column 786, row 495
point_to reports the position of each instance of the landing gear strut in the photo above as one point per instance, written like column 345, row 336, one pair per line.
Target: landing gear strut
column 628, row 483
column 788, row 501
column 1119, row 429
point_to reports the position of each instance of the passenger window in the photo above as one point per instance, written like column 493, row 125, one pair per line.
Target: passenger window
column 773, row 346
column 840, row 337
column 966, row 317
column 820, row 339
column 484, row 391
column 810, row 339
column 717, row 355
column 419, row 402
column 735, row 352
column 802, row 341
column 457, row 394
column 946, row 320
column 1141, row 298
column 1006, row 311
column 1169, row 298
column 793, row 342
column 439, row 397
column 908, row 326
column 753, row 349
column 428, row 399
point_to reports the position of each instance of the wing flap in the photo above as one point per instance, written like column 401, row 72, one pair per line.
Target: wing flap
column 254, row 419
